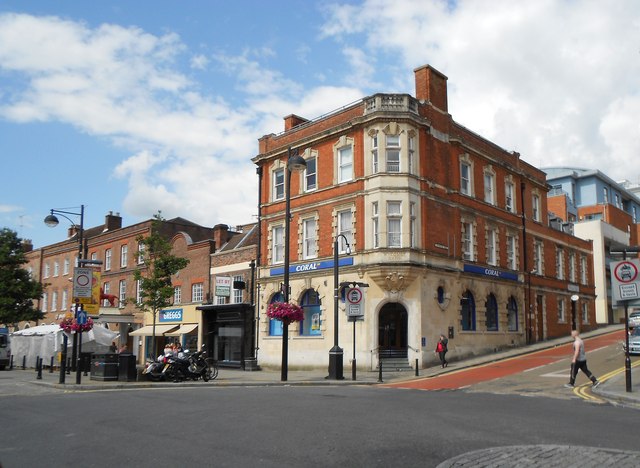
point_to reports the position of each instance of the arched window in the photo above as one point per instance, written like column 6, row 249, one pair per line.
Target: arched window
column 440, row 295
column 491, row 313
column 512, row 314
column 310, row 326
column 468, row 311
column 275, row 326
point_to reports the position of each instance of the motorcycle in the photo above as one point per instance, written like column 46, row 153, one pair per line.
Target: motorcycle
column 188, row 366
column 155, row 370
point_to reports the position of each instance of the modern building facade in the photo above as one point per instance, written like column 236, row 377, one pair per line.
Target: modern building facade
column 597, row 208
column 449, row 231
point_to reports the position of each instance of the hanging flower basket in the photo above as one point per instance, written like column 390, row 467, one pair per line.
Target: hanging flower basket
column 69, row 325
column 285, row 312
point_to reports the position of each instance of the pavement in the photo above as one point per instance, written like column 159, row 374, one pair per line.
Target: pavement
column 612, row 389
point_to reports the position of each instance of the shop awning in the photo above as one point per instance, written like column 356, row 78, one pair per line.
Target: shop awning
column 148, row 330
column 183, row 330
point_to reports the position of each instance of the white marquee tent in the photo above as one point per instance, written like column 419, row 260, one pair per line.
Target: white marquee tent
column 46, row 341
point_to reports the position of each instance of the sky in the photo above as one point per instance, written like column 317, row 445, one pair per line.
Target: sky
column 158, row 105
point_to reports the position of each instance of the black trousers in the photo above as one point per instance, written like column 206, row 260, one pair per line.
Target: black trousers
column 443, row 361
column 580, row 365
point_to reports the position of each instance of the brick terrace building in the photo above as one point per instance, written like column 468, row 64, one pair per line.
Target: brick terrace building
column 449, row 231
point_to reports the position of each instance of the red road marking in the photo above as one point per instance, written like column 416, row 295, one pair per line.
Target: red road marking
column 495, row 370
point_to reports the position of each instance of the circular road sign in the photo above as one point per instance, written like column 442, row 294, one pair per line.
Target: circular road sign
column 354, row 296
column 82, row 280
column 626, row 272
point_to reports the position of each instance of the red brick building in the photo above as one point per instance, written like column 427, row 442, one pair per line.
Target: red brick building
column 444, row 226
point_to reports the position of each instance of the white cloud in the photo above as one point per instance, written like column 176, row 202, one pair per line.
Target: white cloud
column 199, row 62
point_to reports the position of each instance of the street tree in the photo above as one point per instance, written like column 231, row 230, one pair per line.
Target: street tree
column 156, row 289
column 17, row 289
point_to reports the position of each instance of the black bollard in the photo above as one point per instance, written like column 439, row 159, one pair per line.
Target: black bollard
column 51, row 366
column 69, row 366
column 39, row 365
column 37, row 362
column 24, row 362
column 380, row 370
column 417, row 373
column 11, row 363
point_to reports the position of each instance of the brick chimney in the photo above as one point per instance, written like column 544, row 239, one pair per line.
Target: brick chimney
column 112, row 221
column 27, row 245
column 220, row 235
column 293, row 120
column 431, row 85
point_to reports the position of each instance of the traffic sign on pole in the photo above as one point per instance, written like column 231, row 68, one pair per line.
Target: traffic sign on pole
column 625, row 280
column 82, row 282
column 355, row 301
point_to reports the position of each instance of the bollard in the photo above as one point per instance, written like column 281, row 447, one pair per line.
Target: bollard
column 39, row 366
column 11, row 363
column 51, row 366
column 37, row 362
column 69, row 366
column 353, row 369
column 417, row 373
column 379, row 370
column 24, row 362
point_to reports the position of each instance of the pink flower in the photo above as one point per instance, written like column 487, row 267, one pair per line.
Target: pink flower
column 285, row 312
column 70, row 325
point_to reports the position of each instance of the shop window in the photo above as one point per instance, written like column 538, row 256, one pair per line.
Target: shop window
column 310, row 326
column 468, row 312
column 275, row 326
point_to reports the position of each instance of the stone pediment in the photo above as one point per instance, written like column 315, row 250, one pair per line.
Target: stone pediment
column 394, row 280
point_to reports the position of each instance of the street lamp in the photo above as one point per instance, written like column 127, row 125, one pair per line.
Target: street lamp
column 52, row 221
column 295, row 162
column 574, row 300
column 336, row 354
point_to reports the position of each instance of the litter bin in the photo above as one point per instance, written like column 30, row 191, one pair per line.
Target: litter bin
column 126, row 367
column 104, row 367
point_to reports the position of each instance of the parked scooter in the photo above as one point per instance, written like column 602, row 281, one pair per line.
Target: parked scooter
column 155, row 370
column 189, row 366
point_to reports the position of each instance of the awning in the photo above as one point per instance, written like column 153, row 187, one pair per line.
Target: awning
column 148, row 330
column 183, row 330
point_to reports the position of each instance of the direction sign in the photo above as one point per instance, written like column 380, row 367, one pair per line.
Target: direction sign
column 82, row 317
column 625, row 279
column 355, row 306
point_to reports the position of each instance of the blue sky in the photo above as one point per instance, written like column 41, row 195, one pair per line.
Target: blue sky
column 135, row 107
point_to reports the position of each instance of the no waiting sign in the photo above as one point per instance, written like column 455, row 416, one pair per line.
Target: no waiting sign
column 625, row 279
column 354, row 302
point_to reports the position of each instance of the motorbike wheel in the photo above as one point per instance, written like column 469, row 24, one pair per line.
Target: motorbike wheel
column 212, row 369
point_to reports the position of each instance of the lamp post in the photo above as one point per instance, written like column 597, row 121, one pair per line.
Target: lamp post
column 574, row 300
column 295, row 162
column 52, row 221
column 336, row 355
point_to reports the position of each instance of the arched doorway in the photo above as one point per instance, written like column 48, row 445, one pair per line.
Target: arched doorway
column 392, row 331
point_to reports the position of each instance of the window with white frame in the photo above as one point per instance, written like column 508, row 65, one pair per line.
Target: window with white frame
column 560, row 264
column 122, row 293
column 141, row 248
column 467, row 241
column 617, row 199
column 56, row 268
column 277, row 244
column 411, row 143
column 45, row 302
column 177, row 294
column 107, row 259
column 94, row 255
column 562, row 314
column 345, row 163
column 412, row 225
column 572, row 267
column 65, row 266
column 106, row 289
column 220, row 300
column 510, row 199
column 605, row 195
column 374, row 154
column 47, row 270
column 54, row 301
column 492, row 248
column 138, row 291
column 310, row 174
column 124, row 251
column 489, row 187
column 375, row 225
column 466, row 177
column 537, row 257
column 196, row 292
column 278, row 184
column 393, row 153
column 583, row 269
column 65, row 299
column 309, row 238
column 345, row 227
column 394, row 224
column 511, row 252
column 237, row 293
column 535, row 205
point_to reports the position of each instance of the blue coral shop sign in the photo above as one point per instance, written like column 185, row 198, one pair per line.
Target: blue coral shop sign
column 492, row 272
column 311, row 266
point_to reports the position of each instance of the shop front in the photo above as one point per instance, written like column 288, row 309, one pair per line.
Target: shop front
column 230, row 335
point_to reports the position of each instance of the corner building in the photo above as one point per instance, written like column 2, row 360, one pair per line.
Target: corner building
column 449, row 231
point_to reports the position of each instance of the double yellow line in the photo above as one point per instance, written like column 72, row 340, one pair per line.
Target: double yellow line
column 584, row 390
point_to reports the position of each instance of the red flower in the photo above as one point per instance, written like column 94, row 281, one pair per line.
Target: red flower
column 70, row 325
column 285, row 312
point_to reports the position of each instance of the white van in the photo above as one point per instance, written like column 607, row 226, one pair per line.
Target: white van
column 5, row 348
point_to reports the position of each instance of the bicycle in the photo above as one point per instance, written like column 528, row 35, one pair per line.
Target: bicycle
column 212, row 368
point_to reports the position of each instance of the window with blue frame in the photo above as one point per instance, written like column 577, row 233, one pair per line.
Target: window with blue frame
column 275, row 326
column 310, row 326
column 491, row 313
column 468, row 312
column 512, row 314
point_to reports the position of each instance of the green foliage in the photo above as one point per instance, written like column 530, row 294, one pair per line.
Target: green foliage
column 17, row 289
column 156, row 287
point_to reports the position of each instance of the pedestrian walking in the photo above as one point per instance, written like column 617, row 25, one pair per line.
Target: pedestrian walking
column 441, row 350
column 579, row 362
